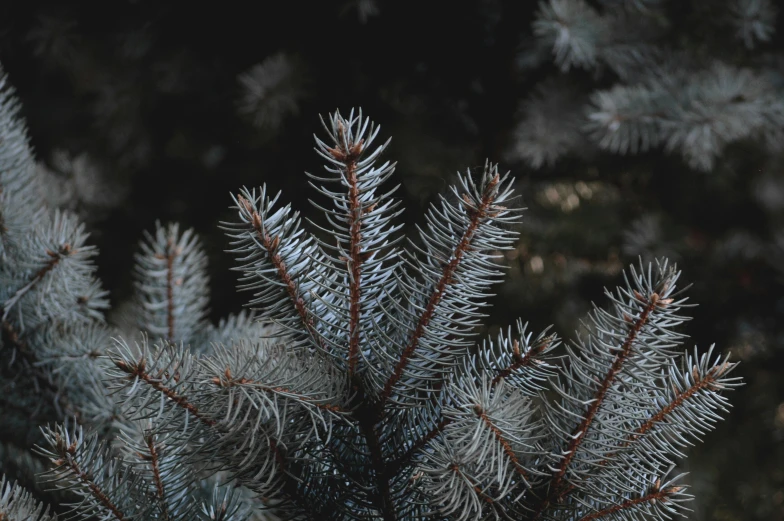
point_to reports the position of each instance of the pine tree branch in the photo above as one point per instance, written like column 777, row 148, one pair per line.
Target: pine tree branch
column 499, row 436
column 356, row 256
column 67, row 458
column 271, row 245
column 138, row 370
column 582, row 429
column 476, row 217
column 280, row 459
column 54, row 260
column 652, row 496
column 520, row 361
column 349, row 154
column 154, row 460
column 171, row 254
column 421, row 443
column 708, row 381
column 41, row 377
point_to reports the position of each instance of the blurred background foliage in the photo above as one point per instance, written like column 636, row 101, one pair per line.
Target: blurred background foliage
column 635, row 128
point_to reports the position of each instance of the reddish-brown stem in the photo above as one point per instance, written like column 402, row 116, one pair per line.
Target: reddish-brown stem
column 280, row 459
column 156, row 474
column 582, row 429
column 349, row 157
column 95, row 490
column 138, row 371
column 476, row 216
column 356, row 268
column 271, row 245
column 701, row 383
column 505, row 445
column 656, row 495
column 519, row 360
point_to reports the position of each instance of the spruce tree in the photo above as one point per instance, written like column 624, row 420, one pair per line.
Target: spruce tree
column 356, row 388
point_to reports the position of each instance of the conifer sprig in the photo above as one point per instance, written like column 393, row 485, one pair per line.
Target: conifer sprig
column 356, row 389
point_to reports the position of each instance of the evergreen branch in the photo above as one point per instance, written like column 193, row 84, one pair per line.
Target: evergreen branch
column 154, row 460
column 476, row 216
column 370, row 360
column 519, row 360
column 455, row 467
column 499, row 436
column 347, row 152
column 349, row 157
column 489, row 363
column 710, row 380
column 138, row 370
column 67, row 461
column 271, row 244
column 171, row 284
column 16, row 504
column 581, row 431
column 458, row 493
column 653, row 496
column 61, row 401
column 171, row 253
column 707, row 381
column 359, row 253
column 387, row 507
column 421, row 443
column 54, row 259
column 236, row 431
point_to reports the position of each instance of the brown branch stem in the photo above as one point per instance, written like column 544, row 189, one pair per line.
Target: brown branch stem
column 271, row 245
column 655, row 495
column 581, row 431
column 520, row 361
column 138, row 371
column 154, row 458
column 367, row 421
column 706, row 381
column 505, row 445
column 349, row 155
column 68, row 453
column 476, row 216
column 456, row 469
column 355, row 262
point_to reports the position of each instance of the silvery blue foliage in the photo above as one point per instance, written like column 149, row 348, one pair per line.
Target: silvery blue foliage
column 662, row 97
column 17, row 504
column 357, row 387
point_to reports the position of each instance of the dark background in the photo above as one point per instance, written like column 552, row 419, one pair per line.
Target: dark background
column 146, row 94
